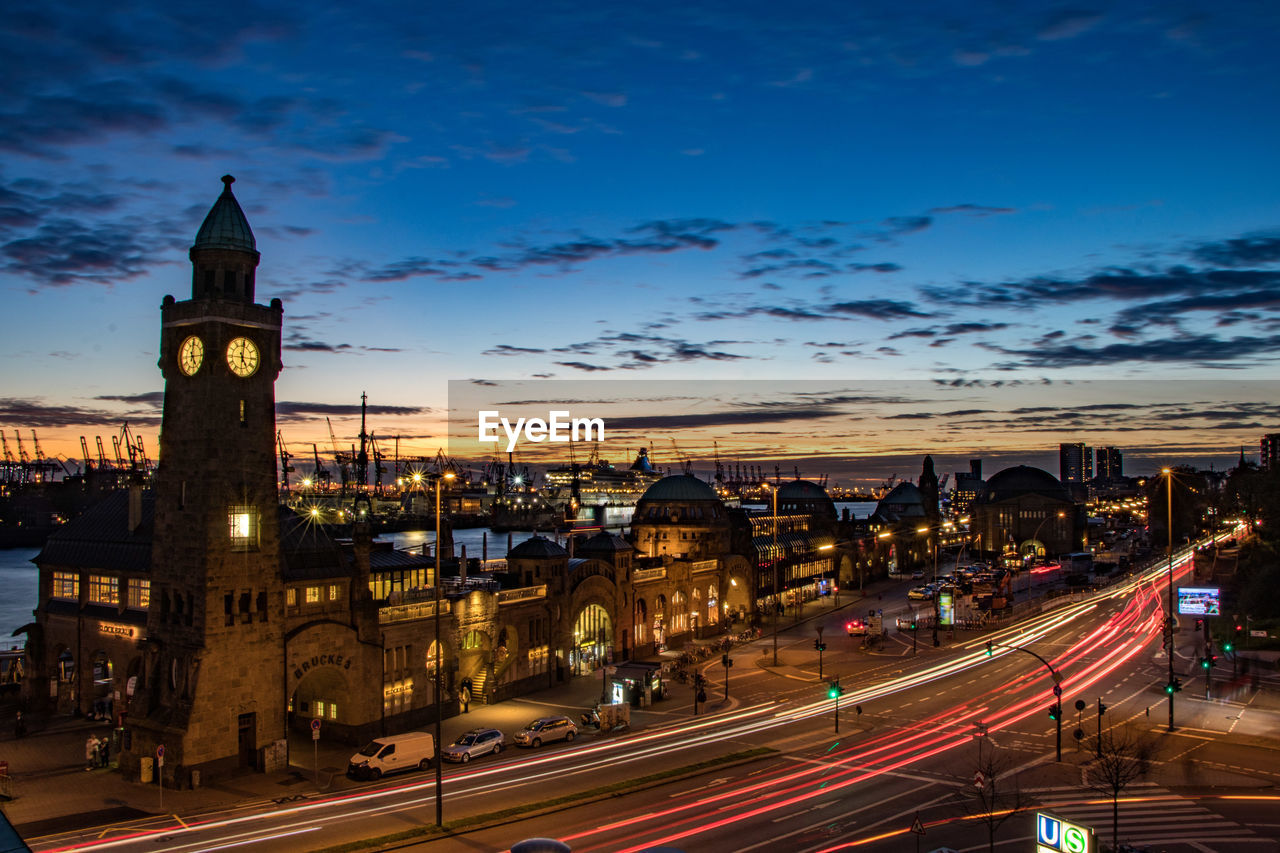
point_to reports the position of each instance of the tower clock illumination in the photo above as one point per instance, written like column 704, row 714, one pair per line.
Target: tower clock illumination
column 191, row 355
column 242, row 356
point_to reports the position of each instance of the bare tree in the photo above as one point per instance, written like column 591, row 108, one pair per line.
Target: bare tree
column 1124, row 756
column 993, row 795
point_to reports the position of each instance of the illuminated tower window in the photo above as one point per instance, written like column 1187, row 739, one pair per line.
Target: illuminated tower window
column 243, row 522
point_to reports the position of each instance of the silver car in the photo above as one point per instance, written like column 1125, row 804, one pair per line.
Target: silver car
column 546, row 729
column 474, row 744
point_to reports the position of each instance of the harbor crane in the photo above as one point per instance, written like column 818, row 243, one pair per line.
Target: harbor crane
column 321, row 473
column 285, row 468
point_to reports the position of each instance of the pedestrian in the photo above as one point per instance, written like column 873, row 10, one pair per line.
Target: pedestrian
column 90, row 752
column 105, row 745
column 19, row 726
column 465, row 689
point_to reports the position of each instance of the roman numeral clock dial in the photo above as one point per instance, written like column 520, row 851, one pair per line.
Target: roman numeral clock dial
column 191, row 355
column 242, row 357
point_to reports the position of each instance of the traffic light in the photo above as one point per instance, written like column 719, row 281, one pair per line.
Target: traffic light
column 1055, row 711
column 1102, row 708
column 989, row 650
column 1227, row 646
column 1206, row 663
column 1199, row 624
column 834, row 690
column 819, row 645
column 913, row 624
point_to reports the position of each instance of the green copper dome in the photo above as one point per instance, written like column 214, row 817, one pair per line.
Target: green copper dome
column 226, row 227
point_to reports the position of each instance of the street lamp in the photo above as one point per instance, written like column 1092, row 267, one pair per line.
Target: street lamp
column 439, row 706
column 1170, row 690
column 777, row 592
column 937, row 605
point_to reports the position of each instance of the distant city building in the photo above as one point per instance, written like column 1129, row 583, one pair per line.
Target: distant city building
column 968, row 486
column 1270, row 446
column 1110, row 463
column 1075, row 463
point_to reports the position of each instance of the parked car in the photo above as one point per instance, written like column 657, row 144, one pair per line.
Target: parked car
column 474, row 744
column 917, row 574
column 409, row 751
column 546, row 729
column 921, row 593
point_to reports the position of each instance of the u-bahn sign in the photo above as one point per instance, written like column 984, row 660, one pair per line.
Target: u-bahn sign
column 1055, row 835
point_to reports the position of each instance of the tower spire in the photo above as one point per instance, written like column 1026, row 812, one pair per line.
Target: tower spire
column 225, row 253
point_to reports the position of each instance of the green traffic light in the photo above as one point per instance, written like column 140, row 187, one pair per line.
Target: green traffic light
column 1168, row 688
column 1226, row 647
column 989, row 650
column 1204, row 663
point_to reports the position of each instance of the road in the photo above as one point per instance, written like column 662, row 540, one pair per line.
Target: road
column 915, row 732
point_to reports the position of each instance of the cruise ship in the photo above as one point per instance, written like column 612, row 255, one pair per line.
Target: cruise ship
column 589, row 491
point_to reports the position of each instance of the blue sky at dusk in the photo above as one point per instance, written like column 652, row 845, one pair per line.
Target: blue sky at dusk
column 947, row 192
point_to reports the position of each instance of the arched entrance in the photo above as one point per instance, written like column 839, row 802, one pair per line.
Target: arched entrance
column 660, row 623
column 1032, row 548
column 323, row 693
column 592, row 639
column 641, row 622
column 101, row 694
column 474, row 660
column 736, row 600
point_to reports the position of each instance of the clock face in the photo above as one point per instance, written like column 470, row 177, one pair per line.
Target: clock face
column 191, row 355
column 242, row 357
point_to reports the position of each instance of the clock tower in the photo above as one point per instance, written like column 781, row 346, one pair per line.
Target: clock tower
column 212, row 688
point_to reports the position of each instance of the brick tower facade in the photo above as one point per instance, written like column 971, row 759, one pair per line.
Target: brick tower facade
column 212, row 689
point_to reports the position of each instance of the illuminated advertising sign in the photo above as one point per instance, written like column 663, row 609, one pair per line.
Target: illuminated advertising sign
column 946, row 608
column 1055, row 835
column 1199, row 601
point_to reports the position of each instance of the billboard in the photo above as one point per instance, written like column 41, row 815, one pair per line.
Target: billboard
column 1199, row 601
column 946, row 609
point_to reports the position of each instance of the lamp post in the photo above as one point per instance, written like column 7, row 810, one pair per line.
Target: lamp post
column 937, row 605
column 1169, row 690
column 777, row 592
column 439, row 664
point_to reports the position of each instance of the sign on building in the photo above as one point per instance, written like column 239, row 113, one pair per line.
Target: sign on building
column 1055, row 835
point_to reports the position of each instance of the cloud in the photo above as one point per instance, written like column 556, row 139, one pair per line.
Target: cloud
column 878, row 309
column 506, row 349
column 298, row 409
column 976, row 210
column 1200, row 350
column 584, row 366
column 1240, row 251
column 63, row 251
column 907, row 224
column 1067, row 24
column 39, row 414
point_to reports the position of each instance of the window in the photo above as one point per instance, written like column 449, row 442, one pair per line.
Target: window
column 333, row 591
column 243, row 523
column 139, row 593
column 333, row 710
column 104, row 589
column 319, row 708
column 291, row 597
column 66, row 585
column 313, row 595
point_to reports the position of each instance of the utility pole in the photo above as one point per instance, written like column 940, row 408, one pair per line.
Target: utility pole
column 728, row 662
column 821, row 647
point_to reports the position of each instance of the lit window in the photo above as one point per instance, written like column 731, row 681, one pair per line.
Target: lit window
column 313, row 595
column 319, row 708
column 104, row 589
column 333, row 710
column 66, row 585
column 333, row 592
column 291, row 597
column 243, row 524
column 139, row 593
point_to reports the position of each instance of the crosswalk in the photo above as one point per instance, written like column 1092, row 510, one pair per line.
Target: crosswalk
column 1149, row 815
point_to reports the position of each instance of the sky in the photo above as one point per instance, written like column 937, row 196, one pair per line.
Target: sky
column 956, row 194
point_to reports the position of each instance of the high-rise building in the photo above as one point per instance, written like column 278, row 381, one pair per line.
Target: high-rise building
column 1075, row 463
column 968, row 485
column 1110, row 463
column 1270, row 446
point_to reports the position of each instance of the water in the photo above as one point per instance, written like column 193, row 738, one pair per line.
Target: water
column 20, row 581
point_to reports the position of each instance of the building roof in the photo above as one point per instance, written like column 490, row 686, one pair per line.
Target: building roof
column 806, row 497
column 1023, row 480
column 226, row 226
column 603, row 542
column 537, row 547
column 100, row 537
column 682, row 488
column 307, row 550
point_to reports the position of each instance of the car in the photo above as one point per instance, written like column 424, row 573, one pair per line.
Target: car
column 474, row 744
column 917, row 574
column 856, row 627
column 395, row 754
column 546, row 729
column 921, row 593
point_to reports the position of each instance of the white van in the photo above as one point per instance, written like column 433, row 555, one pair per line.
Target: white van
column 409, row 751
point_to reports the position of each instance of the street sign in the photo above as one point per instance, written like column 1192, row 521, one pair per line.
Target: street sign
column 315, row 725
column 160, row 751
column 1057, row 690
column 979, row 780
column 1057, row 676
column 1254, row 632
column 916, row 826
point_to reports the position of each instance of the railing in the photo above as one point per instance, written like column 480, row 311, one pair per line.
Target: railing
column 409, row 612
column 513, row 596
column 704, row 566
column 640, row 575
